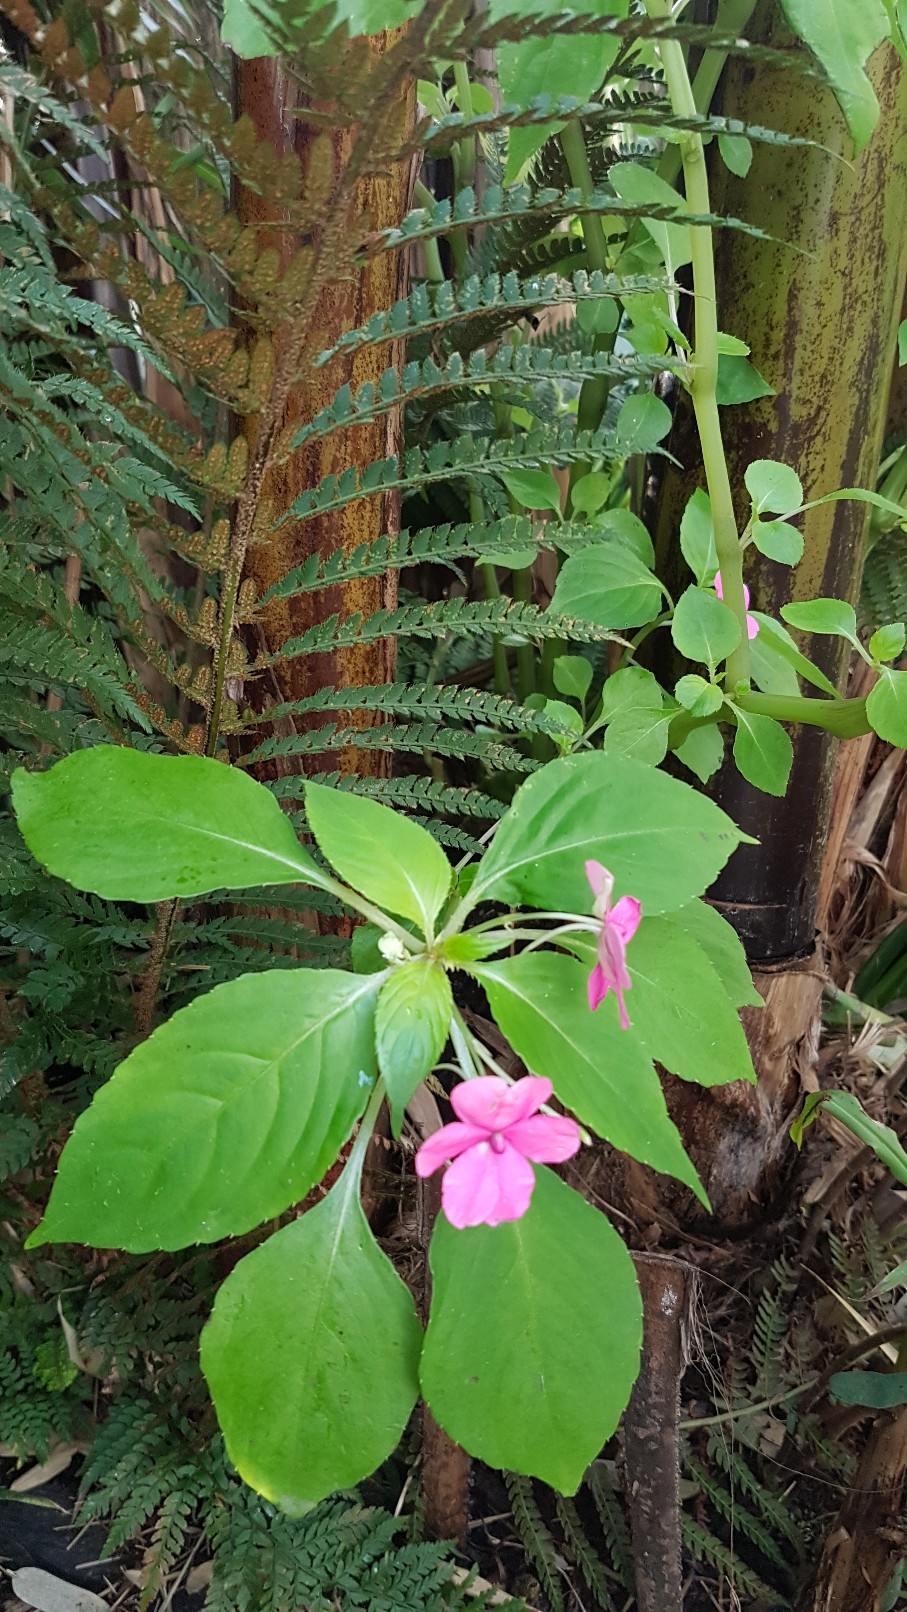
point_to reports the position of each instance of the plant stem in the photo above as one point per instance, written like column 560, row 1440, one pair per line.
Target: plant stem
column 704, row 360
column 352, row 1171
column 434, row 269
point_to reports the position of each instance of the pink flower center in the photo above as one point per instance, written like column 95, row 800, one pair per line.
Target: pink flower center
column 497, row 1142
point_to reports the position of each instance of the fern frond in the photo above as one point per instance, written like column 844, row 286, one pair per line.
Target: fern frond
column 729, row 1507
column 583, row 1552
column 409, row 737
column 440, row 702
column 416, row 794
column 707, row 1548
column 463, row 618
column 534, row 1536
column 613, row 1525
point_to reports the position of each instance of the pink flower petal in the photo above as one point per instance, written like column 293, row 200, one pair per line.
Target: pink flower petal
column 752, row 626
column 625, row 916
column 486, row 1188
column 746, row 597
column 624, row 1015
column 545, row 1138
column 612, row 957
column 494, row 1104
column 445, row 1144
column 598, row 987
column 598, row 877
column 716, row 584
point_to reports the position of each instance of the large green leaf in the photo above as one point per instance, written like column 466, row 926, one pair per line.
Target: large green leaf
column 311, row 1355
column 534, row 1337
column 682, row 1014
column 663, row 841
column 137, row 827
column 598, row 1070
column 609, row 586
column 722, row 947
column 844, row 34
column 380, row 853
column 227, row 1114
column 639, row 186
column 412, row 1023
column 763, row 752
column 704, row 628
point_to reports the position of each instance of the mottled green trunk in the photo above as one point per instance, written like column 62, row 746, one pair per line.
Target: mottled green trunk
column 818, row 304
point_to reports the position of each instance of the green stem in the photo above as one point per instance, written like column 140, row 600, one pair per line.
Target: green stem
column 594, row 391
column 732, row 18
column 459, row 1035
column 521, row 588
column 704, row 361
column 434, row 269
column 844, row 718
column 352, row 1170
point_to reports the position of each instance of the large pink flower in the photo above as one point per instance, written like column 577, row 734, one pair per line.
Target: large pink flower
column 491, row 1179
column 618, row 926
column 752, row 625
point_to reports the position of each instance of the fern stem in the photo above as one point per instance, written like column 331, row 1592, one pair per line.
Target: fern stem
column 593, row 397
column 704, row 377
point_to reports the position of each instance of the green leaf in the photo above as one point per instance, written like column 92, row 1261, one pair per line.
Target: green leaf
column 311, row 1355
column 411, row 1024
column 248, row 35
column 132, row 826
column 775, row 642
column 501, row 1371
column 643, row 422
column 737, row 154
column 843, row 35
column 763, row 752
column 881, row 1390
column 845, row 1107
column 513, row 560
column 630, row 688
column 640, row 733
column 704, row 628
column 697, row 539
column 778, row 541
column 628, row 529
column 697, row 696
column 886, row 707
column 832, row 617
column 590, row 492
column 774, row 488
column 533, row 489
column 895, row 1278
column 381, row 853
column 739, row 381
column 245, row 32
column 888, row 642
column 608, row 586
column 572, row 675
column 732, row 345
column 681, row 1012
column 598, row 316
column 231, row 1111
column 601, row 1072
column 723, row 948
column 902, row 342
column 663, row 841
column 702, row 751
column 640, row 186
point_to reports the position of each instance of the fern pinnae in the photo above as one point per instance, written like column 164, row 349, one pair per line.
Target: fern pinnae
column 535, row 1536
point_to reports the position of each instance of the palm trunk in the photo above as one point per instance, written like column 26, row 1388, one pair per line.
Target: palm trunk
column 818, row 303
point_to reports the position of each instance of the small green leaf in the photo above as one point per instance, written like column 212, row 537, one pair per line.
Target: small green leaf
column 887, row 643
column 895, row 1278
column 641, row 187
column 774, row 488
column 640, row 733
column 597, row 316
column 533, row 489
column 663, row 841
column 778, row 541
column 628, row 529
column 380, row 853
column 704, row 628
column 608, row 586
column 843, row 35
column 774, row 640
column 697, row 539
column 567, row 715
column 590, row 492
column 245, row 32
column 311, row 1355
column 597, row 1069
column 763, row 752
column 831, row 617
column 886, row 707
column 643, row 422
column 739, row 381
column 572, row 675
column 131, row 826
column 732, row 345
column 881, row 1390
column 702, row 751
column 697, row 696
column 630, row 688
column 736, row 152
column 513, row 560
column 411, row 1024
column 232, row 1110
column 501, row 1372
column 365, row 953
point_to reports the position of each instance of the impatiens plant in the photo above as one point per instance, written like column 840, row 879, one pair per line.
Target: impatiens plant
column 232, row 1112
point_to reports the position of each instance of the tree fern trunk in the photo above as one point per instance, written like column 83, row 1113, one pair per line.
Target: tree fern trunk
column 271, row 98
column 818, row 304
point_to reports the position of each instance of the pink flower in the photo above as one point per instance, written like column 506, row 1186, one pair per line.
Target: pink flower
column 491, row 1179
column 752, row 625
column 618, row 926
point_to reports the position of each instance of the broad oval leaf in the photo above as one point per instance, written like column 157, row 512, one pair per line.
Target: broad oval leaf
column 643, row 422
column 663, row 841
column 245, row 24
column 703, row 628
column 697, row 537
column 763, row 752
column 311, row 1355
column 778, row 540
column 598, row 1070
column 534, row 1337
column 882, row 1390
column 380, row 853
column 702, row 751
column 572, row 675
column 411, row 1024
column 832, row 617
column 887, row 643
column 609, row 586
column 641, row 187
column 132, row 826
column 225, row 1116
column 886, row 707
column 533, row 489
column 775, row 488
column 682, row 1013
